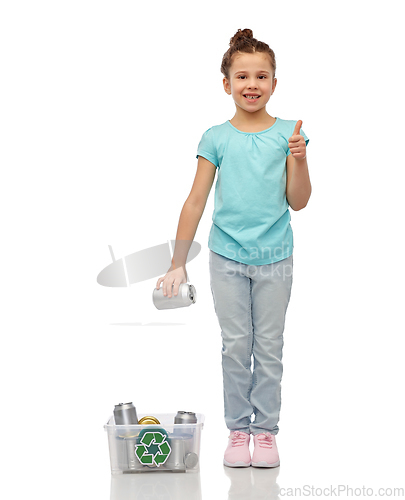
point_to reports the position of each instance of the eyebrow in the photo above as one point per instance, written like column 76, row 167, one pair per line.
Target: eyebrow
column 246, row 71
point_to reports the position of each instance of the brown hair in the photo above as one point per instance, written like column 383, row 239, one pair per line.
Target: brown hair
column 243, row 41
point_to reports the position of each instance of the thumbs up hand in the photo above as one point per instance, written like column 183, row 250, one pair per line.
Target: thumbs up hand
column 296, row 143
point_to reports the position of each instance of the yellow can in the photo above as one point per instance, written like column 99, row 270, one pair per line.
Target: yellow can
column 148, row 420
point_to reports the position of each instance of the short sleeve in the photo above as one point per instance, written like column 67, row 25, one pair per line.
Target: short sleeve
column 206, row 147
column 303, row 135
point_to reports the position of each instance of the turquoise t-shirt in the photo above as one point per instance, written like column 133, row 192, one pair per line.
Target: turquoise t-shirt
column 251, row 220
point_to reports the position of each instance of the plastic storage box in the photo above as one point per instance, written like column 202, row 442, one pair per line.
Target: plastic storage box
column 153, row 448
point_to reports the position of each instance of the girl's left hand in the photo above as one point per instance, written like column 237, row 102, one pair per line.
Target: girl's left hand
column 297, row 144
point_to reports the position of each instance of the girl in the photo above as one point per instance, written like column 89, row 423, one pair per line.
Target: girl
column 262, row 170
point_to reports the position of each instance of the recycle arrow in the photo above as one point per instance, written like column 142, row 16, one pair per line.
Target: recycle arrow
column 146, row 450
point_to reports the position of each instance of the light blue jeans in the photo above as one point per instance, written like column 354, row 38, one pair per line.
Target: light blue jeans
column 251, row 304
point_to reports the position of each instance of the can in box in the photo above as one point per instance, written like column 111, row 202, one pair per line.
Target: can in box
column 150, row 448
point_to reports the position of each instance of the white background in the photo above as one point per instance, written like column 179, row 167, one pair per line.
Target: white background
column 102, row 108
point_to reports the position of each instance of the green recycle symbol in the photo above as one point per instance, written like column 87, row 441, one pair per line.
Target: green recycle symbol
column 153, row 449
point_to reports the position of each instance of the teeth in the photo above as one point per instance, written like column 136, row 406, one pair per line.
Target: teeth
column 252, row 96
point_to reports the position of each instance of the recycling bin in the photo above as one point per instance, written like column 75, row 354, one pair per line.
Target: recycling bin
column 159, row 447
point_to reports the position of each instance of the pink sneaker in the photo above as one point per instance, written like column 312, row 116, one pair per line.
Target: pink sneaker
column 237, row 453
column 265, row 453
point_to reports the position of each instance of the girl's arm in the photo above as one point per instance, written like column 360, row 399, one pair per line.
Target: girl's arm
column 192, row 211
column 190, row 216
column 298, row 184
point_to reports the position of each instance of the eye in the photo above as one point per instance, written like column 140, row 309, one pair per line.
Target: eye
column 262, row 76
column 242, row 76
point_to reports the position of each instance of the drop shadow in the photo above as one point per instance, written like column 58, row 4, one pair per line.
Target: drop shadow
column 148, row 324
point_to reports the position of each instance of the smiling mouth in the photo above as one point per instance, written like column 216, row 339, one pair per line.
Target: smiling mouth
column 251, row 97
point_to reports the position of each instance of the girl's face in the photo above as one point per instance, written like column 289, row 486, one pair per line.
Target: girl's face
column 251, row 81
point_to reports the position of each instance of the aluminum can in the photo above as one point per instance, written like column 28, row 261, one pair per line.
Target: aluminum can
column 175, row 462
column 186, row 296
column 133, row 462
column 191, row 460
column 149, row 420
column 185, row 417
column 125, row 414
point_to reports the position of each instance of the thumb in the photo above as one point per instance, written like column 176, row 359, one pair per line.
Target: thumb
column 298, row 126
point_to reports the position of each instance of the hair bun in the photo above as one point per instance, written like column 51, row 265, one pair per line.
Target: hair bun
column 239, row 35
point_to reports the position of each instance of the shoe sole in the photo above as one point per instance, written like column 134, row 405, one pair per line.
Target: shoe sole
column 265, row 464
column 237, row 464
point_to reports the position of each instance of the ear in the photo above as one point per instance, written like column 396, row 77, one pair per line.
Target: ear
column 274, row 85
column 227, row 86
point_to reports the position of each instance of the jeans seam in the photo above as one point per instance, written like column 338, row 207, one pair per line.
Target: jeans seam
column 250, row 341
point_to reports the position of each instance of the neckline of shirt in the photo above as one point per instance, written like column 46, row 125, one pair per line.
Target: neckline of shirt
column 254, row 133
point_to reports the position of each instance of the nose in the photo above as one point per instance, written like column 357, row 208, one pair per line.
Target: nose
column 252, row 83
